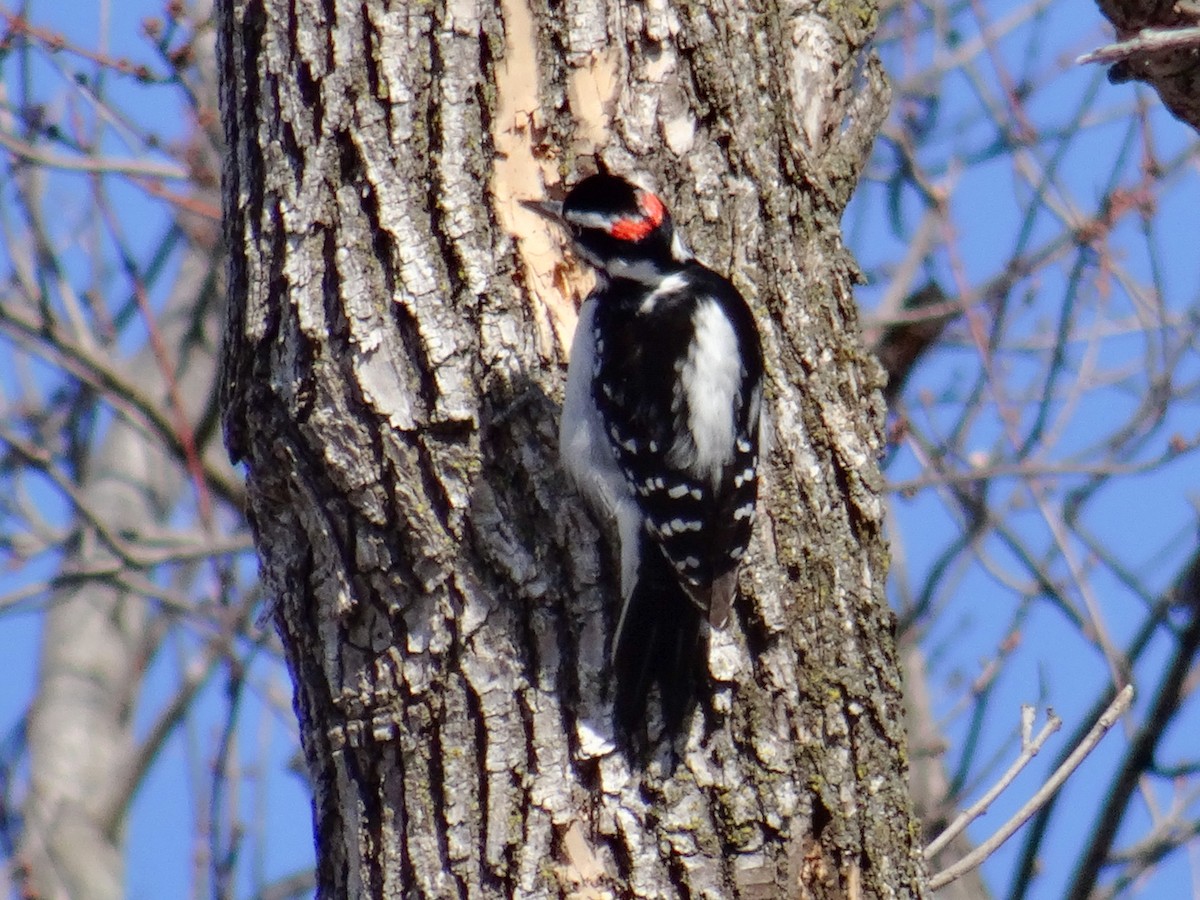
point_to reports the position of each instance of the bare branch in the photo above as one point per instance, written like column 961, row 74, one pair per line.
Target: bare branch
column 1115, row 710
column 1029, row 749
column 106, row 165
column 1148, row 40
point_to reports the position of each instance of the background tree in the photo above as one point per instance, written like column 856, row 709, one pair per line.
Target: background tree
column 1045, row 203
column 121, row 513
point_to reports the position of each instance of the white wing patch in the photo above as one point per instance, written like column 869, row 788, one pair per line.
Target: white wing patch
column 710, row 380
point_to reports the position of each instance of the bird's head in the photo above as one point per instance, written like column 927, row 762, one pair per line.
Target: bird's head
column 620, row 229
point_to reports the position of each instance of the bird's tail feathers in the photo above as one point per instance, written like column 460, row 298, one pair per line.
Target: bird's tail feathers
column 658, row 643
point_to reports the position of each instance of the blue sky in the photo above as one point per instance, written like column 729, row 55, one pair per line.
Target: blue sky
column 1147, row 521
column 170, row 813
column 1125, row 301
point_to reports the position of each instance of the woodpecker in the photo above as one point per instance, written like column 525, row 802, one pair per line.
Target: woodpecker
column 660, row 433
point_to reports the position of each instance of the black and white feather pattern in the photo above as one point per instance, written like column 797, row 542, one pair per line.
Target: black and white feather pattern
column 660, row 432
column 677, row 381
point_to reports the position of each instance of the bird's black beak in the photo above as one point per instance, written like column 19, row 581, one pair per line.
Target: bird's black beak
column 547, row 209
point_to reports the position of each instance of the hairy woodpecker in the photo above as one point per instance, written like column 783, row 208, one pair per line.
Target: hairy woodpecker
column 660, row 432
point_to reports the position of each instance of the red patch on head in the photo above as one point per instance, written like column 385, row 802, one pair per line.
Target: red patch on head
column 652, row 207
column 636, row 229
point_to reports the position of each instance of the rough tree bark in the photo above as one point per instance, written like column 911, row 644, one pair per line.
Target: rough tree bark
column 394, row 368
column 1174, row 72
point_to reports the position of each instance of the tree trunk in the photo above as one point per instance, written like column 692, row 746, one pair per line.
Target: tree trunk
column 394, row 369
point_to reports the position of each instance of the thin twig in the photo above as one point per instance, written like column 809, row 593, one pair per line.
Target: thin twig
column 1029, row 749
column 45, row 340
column 109, row 165
column 1107, row 719
column 129, row 552
column 1148, row 40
